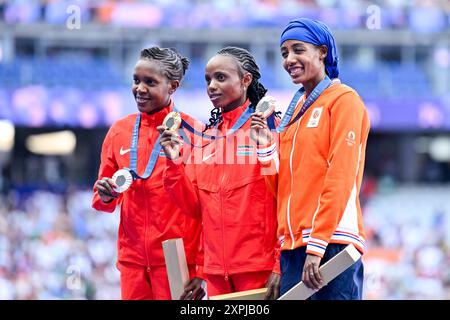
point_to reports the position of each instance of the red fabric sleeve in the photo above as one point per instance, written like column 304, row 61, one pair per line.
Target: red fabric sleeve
column 181, row 189
column 108, row 166
column 277, row 252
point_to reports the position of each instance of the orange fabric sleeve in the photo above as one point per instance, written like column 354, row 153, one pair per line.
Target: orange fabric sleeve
column 347, row 116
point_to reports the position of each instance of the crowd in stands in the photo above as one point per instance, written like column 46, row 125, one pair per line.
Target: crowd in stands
column 408, row 240
column 419, row 15
column 54, row 246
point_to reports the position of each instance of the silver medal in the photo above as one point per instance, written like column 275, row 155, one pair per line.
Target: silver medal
column 123, row 179
column 266, row 105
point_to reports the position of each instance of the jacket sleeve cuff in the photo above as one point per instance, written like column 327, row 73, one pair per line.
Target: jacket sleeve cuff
column 267, row 153
column 276, row 268
column 99, row 205
column 316, row 247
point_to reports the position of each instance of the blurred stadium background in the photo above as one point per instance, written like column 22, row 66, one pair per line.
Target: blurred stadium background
column 65, row 77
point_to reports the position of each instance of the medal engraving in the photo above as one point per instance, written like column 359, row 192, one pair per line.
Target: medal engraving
column 123, row 179
column 266, row 105
column 172, row 121
column 120, row 181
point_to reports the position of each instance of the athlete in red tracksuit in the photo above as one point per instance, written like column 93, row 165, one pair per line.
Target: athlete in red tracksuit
column 224, row 185
column 147, row 214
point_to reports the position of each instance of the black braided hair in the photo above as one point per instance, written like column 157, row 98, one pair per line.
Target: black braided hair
column 175, row 65
column 246, row 63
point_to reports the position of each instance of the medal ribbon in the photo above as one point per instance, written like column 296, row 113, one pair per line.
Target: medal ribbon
column 238, row 124
column 285, row 121
column 133, row 153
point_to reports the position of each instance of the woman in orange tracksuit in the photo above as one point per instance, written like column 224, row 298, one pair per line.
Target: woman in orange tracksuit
column 223, row 183
column 318, row 165
column 147, row 216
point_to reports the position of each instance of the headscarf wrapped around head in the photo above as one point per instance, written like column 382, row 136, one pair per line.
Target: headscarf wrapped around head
column 317, row 33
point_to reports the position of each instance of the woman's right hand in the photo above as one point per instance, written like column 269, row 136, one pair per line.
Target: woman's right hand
column 170, row 142
column 105, row 189
column 259, row 131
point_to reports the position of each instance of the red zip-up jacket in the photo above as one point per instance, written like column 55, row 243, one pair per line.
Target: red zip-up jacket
column 223, row 184
column 148, row 216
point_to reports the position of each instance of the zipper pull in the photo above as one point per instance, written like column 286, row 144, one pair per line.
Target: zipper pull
column 148, row 269
column 226, row 276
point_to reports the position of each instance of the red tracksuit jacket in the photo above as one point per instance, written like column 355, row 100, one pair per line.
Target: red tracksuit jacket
column 148, row 216
column 223, row 184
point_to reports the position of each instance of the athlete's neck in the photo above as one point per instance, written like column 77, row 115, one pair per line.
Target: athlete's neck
column 311, row 84
column 234, row 105
column 157, row 109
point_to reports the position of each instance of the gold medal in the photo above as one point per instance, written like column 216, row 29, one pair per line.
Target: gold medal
column 172, row 121
column 123, row 179
column 266, row 105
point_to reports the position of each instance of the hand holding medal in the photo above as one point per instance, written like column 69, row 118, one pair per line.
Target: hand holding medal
column 172, row 121
column 106, row 189
column 123, row 180
column 170, row 140
column 259, row 129
column 266, row 106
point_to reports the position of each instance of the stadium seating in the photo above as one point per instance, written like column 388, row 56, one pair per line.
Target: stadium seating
column 383, row 79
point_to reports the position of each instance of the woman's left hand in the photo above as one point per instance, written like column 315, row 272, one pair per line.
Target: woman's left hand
column 311, row 275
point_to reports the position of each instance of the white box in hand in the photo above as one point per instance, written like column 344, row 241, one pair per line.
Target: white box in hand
column 329, row 270
column 176, row 266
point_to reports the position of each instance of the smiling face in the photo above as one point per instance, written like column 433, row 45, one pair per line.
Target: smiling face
column 303, row 61
column 226, row 83
column 151, row 88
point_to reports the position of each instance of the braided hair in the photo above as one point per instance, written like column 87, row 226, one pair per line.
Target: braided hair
column 175, row 65
column 255, row 91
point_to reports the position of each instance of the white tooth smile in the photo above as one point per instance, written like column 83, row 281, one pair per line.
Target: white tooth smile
column 295, row 71
column 140, row 99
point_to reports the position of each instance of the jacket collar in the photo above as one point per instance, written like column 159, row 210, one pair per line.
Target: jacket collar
column 230, row 117
column 157, row 118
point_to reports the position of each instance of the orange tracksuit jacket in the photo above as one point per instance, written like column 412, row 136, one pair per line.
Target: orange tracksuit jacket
column 317, row 173
column 148, row 216
column 223, row 185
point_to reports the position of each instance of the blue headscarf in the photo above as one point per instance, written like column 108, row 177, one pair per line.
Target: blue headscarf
column 317, row 33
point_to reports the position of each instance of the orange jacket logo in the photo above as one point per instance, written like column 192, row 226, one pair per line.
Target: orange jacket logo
column 315, row 118
column 350, row 138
